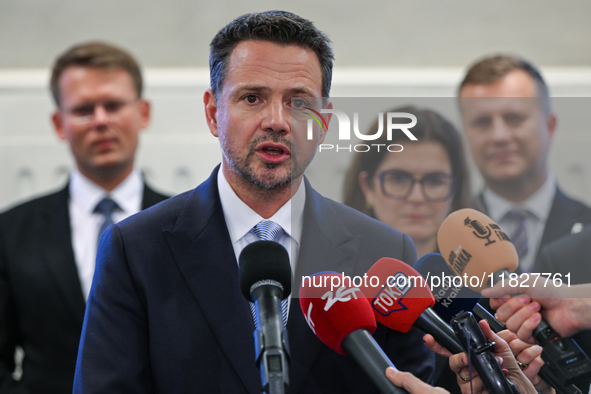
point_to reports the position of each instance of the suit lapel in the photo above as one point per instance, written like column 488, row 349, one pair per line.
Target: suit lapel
column 560, row 220
column 59, row 255
column 203, row 252
column 479, row 204
column 326, row 245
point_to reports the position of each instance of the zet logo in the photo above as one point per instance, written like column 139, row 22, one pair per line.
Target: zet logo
column 393, row 124
column 343, row 294
column 389, row 298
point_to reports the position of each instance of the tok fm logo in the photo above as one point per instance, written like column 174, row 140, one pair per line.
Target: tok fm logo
column 317, row 117
column 389, row 298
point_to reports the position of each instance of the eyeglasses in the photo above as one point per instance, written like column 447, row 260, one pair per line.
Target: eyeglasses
column 436, row 186
column 83, row 113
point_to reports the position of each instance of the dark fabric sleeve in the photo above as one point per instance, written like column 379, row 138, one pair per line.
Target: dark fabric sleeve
column 113, row 355
column 8, row 325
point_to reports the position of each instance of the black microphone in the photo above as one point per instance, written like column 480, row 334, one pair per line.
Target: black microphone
column 265, row 279
column 451, row 296
column 480, row 351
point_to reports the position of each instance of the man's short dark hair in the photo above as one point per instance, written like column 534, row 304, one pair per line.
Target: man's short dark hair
column 492, row 68
column 279, row 27
column 98, row 55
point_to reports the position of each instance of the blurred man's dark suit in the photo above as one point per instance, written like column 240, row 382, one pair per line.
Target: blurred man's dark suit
column 41, row 301
column 564, row 214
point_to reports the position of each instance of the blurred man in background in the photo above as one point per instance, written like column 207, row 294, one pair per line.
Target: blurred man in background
column 48, row 245
column 509, row 124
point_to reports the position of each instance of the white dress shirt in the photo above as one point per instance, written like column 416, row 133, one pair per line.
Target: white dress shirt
column 240, row 219
column 85, row 223
column 536, row 208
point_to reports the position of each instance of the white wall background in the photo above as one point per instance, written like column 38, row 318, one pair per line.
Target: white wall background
column 177, row 151
column 383, row 48
column 376, row 33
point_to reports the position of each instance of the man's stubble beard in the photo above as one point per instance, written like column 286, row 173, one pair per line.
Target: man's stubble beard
column 245, row 168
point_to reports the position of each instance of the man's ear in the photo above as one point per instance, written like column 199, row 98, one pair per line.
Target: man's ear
column 58, row 124
column 145, row 112
column 552, row 124
column 211, row 109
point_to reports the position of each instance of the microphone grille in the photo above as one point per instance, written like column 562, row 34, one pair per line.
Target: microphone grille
column 264, row 261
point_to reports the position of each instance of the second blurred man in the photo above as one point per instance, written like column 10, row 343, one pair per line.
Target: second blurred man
column 509, row 123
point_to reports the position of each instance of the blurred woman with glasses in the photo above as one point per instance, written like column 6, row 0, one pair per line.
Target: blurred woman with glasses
column 413, row 190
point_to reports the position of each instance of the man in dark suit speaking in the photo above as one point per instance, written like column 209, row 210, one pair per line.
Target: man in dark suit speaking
column 48, row 245
column 165, row 313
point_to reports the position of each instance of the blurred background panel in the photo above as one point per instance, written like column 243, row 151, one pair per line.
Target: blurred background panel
column 176, row 33
column 383, row 49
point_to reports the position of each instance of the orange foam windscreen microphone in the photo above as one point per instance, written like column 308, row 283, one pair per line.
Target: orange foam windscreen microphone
column 341, row 317
column 401, row 299
column 476, row 248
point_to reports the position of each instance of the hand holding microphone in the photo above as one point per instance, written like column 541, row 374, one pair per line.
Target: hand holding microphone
column 529, row 358
column 474, row 383
column 404, row 300
column 567, row 309
column 480, row 354
column 452, row 298
column 475, row 247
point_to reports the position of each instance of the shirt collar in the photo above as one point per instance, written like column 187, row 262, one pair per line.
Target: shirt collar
column 87, row 194
column 240, row 218
column 538, row 204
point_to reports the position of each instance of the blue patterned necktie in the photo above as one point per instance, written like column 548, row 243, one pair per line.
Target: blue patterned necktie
column 105, row 207
column 268, row 230
column 519, row 237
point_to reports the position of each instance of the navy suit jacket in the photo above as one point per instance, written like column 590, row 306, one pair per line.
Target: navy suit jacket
column 569, row 255
column 165, row 313
column 41, row 300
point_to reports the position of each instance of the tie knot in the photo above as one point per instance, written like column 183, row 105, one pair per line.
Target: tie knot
column 106, row 206
column 268, row 230
column 516, row 215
